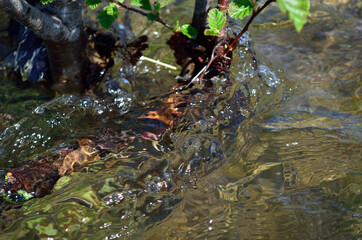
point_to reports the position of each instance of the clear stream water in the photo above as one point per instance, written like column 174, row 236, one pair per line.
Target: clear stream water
column 286, row 164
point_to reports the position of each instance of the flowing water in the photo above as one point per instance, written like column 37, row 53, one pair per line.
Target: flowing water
column 273, row 152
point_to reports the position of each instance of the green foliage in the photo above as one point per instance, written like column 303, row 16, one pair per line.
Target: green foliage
column 153, row 11
column 176, row 28
column 210, row 32
column 25, row 194
column 109, row 13
column 297, row 11
column 111, row 10
column 107, row 16
column 92, row 4
column 185, row 29
column 240, row 8
column 216, row 21
column 165, row 2
column 189, row 31
column 156, row 6
column 144, row 4
column 19, row 196
column 153, row 16
column 46, row 1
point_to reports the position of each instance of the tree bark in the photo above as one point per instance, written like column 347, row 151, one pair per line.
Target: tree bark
column 44, row 25
column 223, row 7
column 66, row 57
column 200, row 15
column 62, row 31
column 66, row 64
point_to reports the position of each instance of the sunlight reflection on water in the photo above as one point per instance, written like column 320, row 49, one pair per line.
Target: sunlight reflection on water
column 283, row 165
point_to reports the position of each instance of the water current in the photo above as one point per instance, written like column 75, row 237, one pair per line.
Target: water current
column 272, row 152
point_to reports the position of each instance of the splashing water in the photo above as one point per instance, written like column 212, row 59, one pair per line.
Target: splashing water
column 265, row 153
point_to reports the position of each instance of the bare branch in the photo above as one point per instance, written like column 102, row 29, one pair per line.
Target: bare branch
column 44, row 25
column 121, row 5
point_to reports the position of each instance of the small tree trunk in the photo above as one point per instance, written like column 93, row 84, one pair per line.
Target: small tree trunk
column 66, row 57
column 200, row 15
column 223, row 7
column 66, row 64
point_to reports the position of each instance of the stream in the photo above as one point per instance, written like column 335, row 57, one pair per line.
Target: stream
column 272, row 152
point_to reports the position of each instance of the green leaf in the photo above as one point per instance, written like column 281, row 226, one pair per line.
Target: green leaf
column 152, row 16
column 189, row 31
column 92, row 4
column 156, row 6
column 46, row 1
column 111, row 10
column 106, row 19
column 240, row 8
column 177, row 27
column 297, row 11
column 144, row 4
column 210, row 32
column 216, row 19
column 25, row 194
column 165, row 2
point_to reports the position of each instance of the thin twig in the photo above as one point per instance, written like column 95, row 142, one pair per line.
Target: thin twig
column 203, row 70
column 196, row 76
column 255, row 13
column 213, row 57
column 121, row 5
column 158, row 62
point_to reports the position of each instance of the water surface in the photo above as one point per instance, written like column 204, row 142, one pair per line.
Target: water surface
column 272, row 153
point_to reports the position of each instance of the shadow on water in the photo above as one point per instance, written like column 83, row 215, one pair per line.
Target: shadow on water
column 271, row 153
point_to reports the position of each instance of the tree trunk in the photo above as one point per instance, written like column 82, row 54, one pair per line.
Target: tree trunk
column 200, row 15
column 46, row 26
column 66, row 64
column 61, row 28
column 66, row 57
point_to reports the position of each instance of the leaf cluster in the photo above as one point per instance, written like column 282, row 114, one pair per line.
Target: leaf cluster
column 109, row 13
column 238, row 9
column 297, row 11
